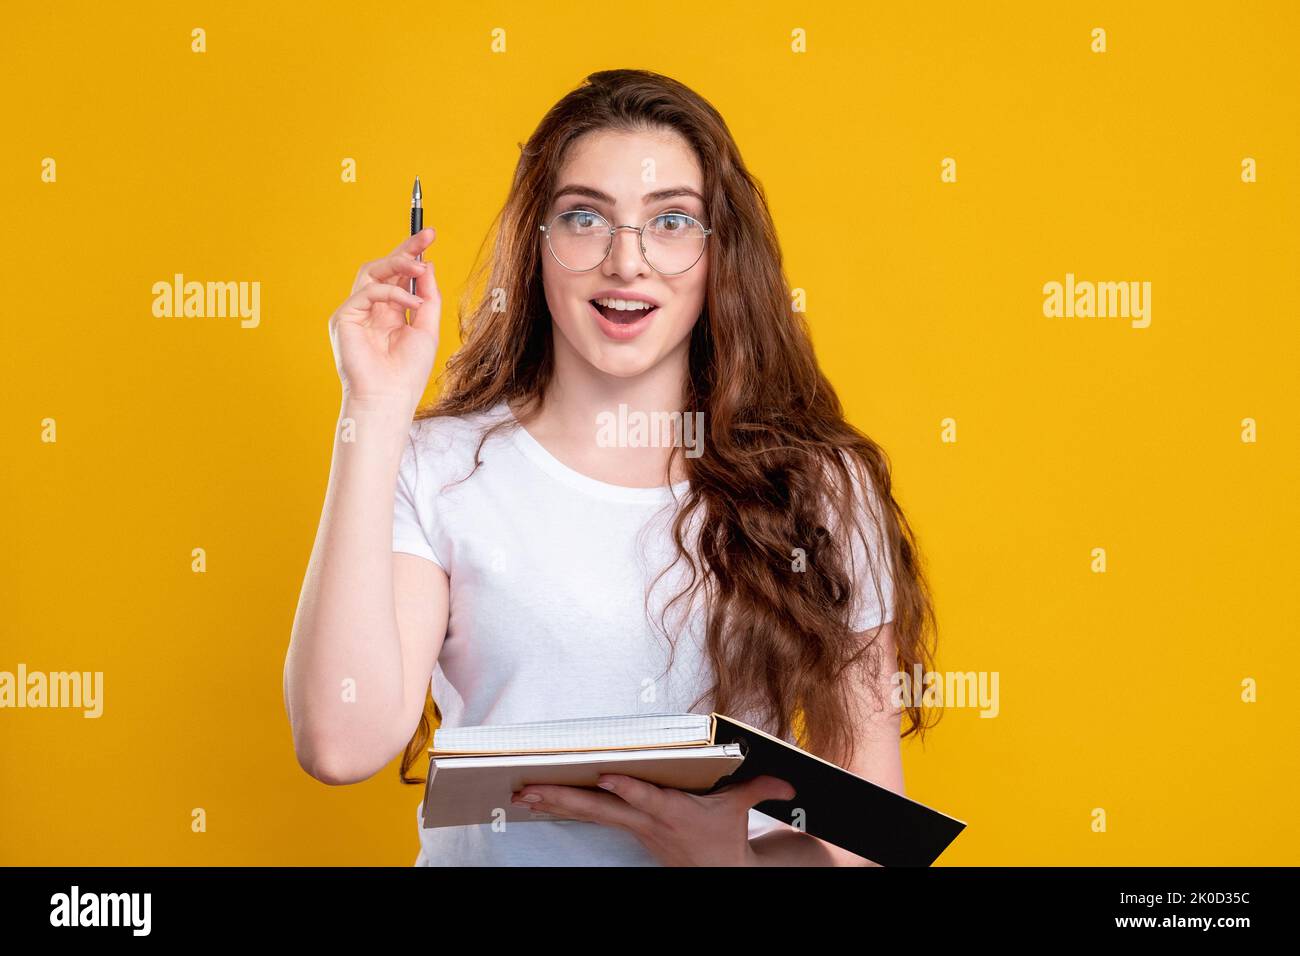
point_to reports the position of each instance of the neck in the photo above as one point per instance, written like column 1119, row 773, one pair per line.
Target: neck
column 579, row 393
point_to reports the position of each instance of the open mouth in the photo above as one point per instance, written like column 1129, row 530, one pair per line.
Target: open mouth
column 622, row 316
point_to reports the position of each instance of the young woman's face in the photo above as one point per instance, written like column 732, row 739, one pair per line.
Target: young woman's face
column 629, row 179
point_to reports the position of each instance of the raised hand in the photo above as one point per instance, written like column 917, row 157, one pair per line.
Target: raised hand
column 381, row 359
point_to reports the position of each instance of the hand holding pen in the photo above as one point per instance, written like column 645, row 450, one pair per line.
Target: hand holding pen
column 382, row 360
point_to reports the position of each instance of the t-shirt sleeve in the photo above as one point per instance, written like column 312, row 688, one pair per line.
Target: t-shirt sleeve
column 871, row 562
column 412, row 509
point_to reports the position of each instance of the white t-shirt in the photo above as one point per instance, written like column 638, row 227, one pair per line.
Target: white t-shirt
column 549, row 571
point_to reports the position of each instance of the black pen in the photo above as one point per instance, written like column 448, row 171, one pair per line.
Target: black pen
column 417, row 218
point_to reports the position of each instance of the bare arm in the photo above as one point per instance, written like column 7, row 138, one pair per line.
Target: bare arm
column 877, row 758
column 370, row 622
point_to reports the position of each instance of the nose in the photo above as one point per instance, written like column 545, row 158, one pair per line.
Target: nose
column 625, row 257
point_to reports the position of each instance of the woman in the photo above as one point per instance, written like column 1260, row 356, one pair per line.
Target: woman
column 549, row 559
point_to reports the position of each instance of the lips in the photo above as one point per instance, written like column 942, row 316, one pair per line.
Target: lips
column 622, row 325
column 622, row 316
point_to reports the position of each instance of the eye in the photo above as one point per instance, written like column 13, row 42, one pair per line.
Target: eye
column 667, row 223
column 581, row 220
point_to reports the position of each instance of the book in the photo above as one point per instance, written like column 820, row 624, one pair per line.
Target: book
column 474, row 770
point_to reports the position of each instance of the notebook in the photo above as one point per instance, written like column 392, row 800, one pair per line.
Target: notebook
column 474, row 770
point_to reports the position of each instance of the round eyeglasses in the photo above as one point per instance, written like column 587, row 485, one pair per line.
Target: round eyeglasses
column 671, row 242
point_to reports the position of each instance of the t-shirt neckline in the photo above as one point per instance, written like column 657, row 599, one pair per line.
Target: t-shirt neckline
column 536, row 452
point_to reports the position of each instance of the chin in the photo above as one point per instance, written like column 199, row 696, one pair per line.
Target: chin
column 619, row 359
column 620, row 362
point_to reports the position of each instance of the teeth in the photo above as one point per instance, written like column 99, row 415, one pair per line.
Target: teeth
column 623, row 305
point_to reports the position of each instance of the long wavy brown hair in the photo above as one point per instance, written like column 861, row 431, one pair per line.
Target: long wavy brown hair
column 782, row 477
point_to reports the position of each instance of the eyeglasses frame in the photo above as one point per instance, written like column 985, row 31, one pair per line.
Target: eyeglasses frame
column 546, row 231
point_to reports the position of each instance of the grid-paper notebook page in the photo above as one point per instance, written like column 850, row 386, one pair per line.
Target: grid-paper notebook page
column 623, row 732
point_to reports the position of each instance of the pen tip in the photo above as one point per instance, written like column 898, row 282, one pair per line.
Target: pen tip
column 415, row 191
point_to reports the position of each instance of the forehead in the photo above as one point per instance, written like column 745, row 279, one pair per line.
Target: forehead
column 626, row 164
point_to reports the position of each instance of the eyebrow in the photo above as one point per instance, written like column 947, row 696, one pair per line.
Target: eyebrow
column 657, row 196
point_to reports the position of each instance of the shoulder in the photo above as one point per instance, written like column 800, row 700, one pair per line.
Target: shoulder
column 864, row 483
column 859, row 516
column 446, row 447
column 449, row 432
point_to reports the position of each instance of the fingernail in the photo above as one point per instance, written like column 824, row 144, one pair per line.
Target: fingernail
column 532, row 797
column 606, row 785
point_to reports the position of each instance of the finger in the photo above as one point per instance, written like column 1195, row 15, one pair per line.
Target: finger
column 581, row 804
column 360, row 304
column 396, row 269
column 416, row 243
column 757, row 790
column 408, row 249
column 646, row 797
column 428, row 315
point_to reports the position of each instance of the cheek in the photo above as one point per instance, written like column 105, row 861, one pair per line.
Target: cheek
column 698, row 288
column 568, row 312
column 559, row 295
column 691, row 299
column 677, row 329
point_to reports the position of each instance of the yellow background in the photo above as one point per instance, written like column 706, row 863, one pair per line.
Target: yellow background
column 1118, row 691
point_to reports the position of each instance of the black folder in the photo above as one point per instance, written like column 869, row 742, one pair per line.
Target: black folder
column 837, row 806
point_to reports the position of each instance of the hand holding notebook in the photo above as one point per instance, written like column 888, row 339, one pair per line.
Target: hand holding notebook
column 474, row 770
